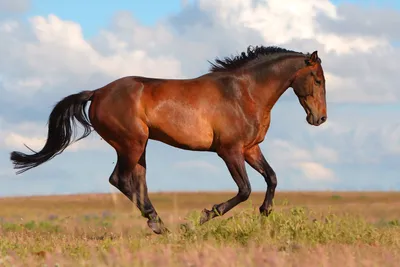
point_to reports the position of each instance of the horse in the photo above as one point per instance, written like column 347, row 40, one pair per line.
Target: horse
column 226, row 111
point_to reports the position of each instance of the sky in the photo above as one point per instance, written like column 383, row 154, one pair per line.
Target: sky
column 50, row 49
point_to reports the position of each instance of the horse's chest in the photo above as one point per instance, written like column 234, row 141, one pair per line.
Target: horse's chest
column 261, row 129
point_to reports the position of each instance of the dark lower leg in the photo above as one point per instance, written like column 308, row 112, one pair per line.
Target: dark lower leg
column 255, row 159
column 266, row 206
column 143, row 201
column 235, row 163
column 132, row 183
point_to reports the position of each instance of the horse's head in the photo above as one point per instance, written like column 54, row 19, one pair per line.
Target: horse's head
column 309, row 86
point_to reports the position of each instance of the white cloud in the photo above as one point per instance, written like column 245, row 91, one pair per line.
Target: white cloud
column 59, row 52
column 391, row 137
column 293, row 19
column 316, row 172
column 347, row 45
column 326, row 154
column 8, row 26
column 14, row 6
column 292, row 151
column 16, row 141
column 349, row 90
column 308, row 161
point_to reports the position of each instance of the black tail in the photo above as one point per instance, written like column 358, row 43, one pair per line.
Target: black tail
column 59, row 132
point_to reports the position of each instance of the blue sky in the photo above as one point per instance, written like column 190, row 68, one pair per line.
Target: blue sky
column 45, row 58
column 93, row 15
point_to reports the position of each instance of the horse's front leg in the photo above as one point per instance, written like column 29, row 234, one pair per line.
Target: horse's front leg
column 255, row 159
column 234, row 160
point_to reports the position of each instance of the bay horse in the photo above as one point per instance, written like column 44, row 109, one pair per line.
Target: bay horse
column 225, row 111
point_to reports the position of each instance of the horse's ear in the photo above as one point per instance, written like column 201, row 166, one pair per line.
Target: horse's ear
column 313, row 58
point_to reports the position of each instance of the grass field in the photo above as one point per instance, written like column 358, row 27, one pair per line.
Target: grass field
column 306, row 229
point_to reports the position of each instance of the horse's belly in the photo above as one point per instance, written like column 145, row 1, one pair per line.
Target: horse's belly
column 181, row 127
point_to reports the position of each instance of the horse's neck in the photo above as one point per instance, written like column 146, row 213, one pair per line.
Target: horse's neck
column 275, row 80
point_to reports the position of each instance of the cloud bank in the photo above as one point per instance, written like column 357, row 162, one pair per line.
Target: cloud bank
column 48, row 58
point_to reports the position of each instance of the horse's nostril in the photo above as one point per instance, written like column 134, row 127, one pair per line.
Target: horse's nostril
column 323, row 119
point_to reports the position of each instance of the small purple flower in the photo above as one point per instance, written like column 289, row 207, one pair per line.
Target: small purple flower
column 107, row 214
column 52, row 217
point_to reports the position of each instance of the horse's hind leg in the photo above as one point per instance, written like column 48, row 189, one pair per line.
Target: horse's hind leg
column 129, row 176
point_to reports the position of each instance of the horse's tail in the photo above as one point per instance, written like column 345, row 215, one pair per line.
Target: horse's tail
column 59, row 131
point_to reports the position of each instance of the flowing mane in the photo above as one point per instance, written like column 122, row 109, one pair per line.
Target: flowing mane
column 253, row 54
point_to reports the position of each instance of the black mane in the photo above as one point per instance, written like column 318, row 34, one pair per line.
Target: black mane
column 253, row 53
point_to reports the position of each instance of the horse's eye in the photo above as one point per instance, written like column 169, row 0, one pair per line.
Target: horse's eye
column 317, row 82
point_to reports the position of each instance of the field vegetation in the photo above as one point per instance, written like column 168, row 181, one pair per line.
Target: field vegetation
column 306, row 229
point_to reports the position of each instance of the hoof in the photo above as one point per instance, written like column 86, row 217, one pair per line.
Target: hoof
column 186, row 227
column 157, row 227
column 206, row 215
column 265, row 212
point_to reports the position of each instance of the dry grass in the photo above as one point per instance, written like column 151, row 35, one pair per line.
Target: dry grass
column 306, row 229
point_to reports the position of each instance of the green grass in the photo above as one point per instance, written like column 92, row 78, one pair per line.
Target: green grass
column 363, row 231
